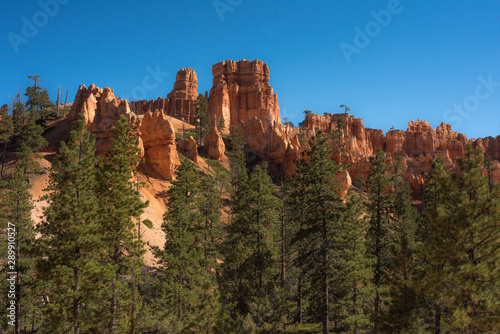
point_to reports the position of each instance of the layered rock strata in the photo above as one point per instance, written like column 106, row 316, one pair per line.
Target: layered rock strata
column 155, row 134
column 189, row 148
column 160, row 151
column 419, row 145
column 102, row 109
column 214, row 144
column 180, row 102
column 241, row 91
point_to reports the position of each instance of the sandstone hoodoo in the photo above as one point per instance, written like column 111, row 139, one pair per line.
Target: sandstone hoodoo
column 158, row 136
column 241, row 95
column 189, row 148
column 179, row 102
column 102, row 109
column 214, row 144
column 240, row 91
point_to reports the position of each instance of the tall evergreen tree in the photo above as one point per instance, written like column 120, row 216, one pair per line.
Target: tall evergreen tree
column 15, row 215
column 464, row 248
column 251, row 249
column 30, row 142
column 401, row 269
column 38, row 101
column 19, row 114
column 380, row 231
column 201, row 118
column 327, row 243
column 6, row 134
column 189, row 257
column 119, row 205
column 353, row 294
column 429, row 290
column 70, row 246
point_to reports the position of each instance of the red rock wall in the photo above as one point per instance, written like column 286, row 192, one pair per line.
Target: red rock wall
column 241, row 91
column 155, row 134
column 179, row 102
column 419, row 145
column 102, row 109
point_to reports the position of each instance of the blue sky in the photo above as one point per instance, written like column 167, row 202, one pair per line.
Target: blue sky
column 389, row 61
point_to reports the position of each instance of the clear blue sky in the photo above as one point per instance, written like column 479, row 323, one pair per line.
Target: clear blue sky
column 417, row 64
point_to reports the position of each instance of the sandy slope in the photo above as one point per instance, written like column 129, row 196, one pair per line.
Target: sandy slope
column 155, row 190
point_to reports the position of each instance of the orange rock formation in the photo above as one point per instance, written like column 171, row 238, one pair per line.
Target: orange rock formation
column 241, row 95
column 419, row 145
column 240, row 91
column 179, row 102
column 158, row 136
column 213, row 142
column 102, row 110
column 189, row 148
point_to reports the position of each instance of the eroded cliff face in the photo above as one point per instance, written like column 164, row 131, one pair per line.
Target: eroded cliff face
column 214, row 144
column 241, row 91
column 179, row 102
column 102, row 109
column 419, row 145
column 158, row 136
column 155, row 134
column 241, row 95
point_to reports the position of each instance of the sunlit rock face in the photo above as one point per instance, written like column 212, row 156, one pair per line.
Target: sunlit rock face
column 419, row 146
column 180, row 102
column 102, row 110
column 160, row 150
column 241, row 91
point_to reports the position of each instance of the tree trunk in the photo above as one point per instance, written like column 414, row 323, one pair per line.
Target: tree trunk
column 17, row 325
column 114, row 302
column 76, row 302
column 283, row 264
column 326, row 304
column 132, row 307
column 299, row 302
column 3, row 159
column 437, row 321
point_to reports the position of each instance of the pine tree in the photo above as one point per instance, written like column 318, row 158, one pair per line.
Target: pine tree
column 15, row 215
column 70, row 247
column 119, row 205
column 6, row 134
column 30, row 142
column 463, row 247
column 189, row 257
column 330, row 242
column 353, row 274
column 401, row 270
column 38, row 101
column 19, row 115
column 251, row 250
column 201, row 118
column 429, row 290
column 380, row 231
